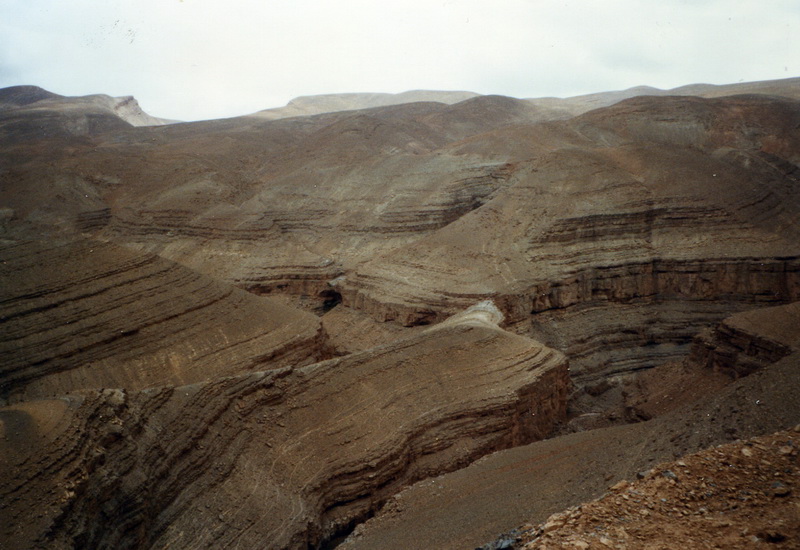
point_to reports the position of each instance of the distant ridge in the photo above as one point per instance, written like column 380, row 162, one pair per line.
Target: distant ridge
column 331, row 103
column 551, row 108
column 18, row 96
column 39, row 99
column 576, row 105
column 556, row 107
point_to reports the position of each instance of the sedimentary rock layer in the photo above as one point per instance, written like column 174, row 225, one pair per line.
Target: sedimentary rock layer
column 749, row 341
column 469, row 507
column 612, row 236
column 279, row 459
column 80, row 314
column 612, row 209
column 427, row 208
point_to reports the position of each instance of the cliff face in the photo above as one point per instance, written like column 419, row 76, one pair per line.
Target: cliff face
column 514, row 488
column 749, row 341
column 280, row 459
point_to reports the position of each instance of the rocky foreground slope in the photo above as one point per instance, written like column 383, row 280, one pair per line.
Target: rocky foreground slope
column 261, row 331
column 735, row 496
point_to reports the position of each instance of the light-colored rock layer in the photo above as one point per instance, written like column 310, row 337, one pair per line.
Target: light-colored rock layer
column 87, row 314
column 280, row 459
column 330, row 103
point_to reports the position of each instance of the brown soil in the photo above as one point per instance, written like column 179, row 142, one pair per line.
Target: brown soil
column 735, row 496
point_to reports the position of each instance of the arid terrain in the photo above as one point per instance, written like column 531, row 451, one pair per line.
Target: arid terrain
column 421, row 320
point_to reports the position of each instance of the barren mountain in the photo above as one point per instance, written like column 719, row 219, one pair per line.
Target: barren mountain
column 327, row 443
column 49, row 113
column 262, row 331
column 330, row 103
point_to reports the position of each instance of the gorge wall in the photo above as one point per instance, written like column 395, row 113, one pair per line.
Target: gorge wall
column 291, row 456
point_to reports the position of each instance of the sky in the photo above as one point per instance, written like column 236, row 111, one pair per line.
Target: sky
column 203, row 59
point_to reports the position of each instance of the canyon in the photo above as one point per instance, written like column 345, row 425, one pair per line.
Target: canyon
column 384, row 321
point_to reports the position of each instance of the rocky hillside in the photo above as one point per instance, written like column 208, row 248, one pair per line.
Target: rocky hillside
column 291, row 456
column 527, row 484
column 735, row 496
column 85, row 314
column 423, row 318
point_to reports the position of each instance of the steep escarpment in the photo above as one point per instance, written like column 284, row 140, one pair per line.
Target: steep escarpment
column 78, row 314
column 468, row 508
column 283, row 459
column 747, row 342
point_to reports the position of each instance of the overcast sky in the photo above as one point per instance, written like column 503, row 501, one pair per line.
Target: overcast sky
column 199, row 59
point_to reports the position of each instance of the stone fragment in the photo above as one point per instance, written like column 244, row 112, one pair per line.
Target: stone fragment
column 669, row 474
column 620, row 486
column 780, row 489
column 786, row 450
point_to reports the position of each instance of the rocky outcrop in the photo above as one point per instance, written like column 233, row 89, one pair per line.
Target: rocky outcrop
column 532, row 482
column 749, row 341
column 280, row 459
column 87, row 314
column 675, row 505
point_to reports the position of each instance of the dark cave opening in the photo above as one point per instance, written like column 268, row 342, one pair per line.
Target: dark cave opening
column 330, row 299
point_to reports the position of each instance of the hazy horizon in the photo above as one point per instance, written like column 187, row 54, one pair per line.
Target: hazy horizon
column 199, row 59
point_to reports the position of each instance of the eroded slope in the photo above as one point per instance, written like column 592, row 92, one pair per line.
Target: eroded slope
column 645, row 221
column 78, row 314
column 470, row 507
column 278, row 459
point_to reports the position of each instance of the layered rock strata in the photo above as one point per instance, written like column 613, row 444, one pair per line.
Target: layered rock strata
column 612, row 236
column 279, row 459
column 615, row 211
column 747, row 342
column 464, row 509
column 81, row 314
